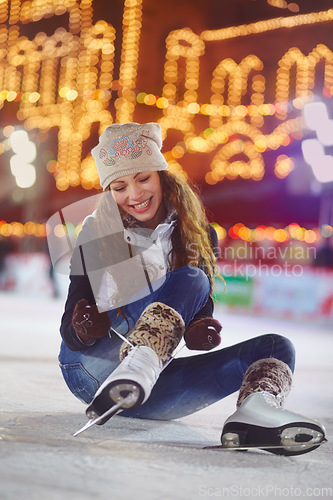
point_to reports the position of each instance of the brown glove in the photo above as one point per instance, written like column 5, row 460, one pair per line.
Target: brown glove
column 203, row 334
column 88, row 323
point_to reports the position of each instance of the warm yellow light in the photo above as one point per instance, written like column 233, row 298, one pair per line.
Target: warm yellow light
column 280, row 235
column 11, row 95
column 17, row 229
column 260, row 145
column 59, row 231
column 64, row 80
column 71, row 95
column 211, row 178
column 8, row 130
column 193, row 108
column 6, row 230
column 162, row 103
column 283, row 166
column 29, row 227
column 150, row 99
column 267, row 25
column 244, row 233
column 259, row 234
column 310, row 236
column 220, row 231
column 63, row 91
column 34, row 97
column 178, row 151
column 269, row 233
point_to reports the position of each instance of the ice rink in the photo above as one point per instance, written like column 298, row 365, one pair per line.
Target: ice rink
column 131, row 458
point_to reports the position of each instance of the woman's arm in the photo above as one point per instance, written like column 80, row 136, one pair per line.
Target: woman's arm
column 203, row 332
column 208, row 309
column 79, row 288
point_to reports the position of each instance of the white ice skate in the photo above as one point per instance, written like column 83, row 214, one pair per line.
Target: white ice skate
column 261, row 422
column 132, row 381
column 128, row 386
column 155, row 336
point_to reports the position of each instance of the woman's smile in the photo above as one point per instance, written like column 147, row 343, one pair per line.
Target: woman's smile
column 142, row 207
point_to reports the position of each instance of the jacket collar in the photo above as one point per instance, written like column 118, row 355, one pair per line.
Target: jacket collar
column 137, row 234
column 131, row 222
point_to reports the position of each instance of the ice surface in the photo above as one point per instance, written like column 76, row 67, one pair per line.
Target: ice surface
column 132, row 458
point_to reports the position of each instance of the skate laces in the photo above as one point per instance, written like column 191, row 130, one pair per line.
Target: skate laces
column 139, row 359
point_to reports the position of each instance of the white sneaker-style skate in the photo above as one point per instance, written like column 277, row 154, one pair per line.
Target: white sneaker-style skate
column 155, row 336
column 261, row 422
column 129, row 385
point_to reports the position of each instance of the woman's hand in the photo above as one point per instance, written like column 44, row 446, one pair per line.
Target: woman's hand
column 88, row 323
column 203, row 334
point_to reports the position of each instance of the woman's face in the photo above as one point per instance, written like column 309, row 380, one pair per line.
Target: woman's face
column 140, row 195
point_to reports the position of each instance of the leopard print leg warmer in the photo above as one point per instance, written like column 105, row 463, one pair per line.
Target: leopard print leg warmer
column 270, row 375
column 159, row 327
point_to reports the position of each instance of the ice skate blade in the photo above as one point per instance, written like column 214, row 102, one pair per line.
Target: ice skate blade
column 109, row 413
column 290, row 439
column 221, row 447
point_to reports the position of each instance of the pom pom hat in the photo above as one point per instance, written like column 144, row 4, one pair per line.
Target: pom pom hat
column 128, row 148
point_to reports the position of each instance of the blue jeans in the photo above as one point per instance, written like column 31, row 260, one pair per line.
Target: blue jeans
column 187, row 384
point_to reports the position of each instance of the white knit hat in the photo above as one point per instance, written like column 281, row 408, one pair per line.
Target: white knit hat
column 128, row 149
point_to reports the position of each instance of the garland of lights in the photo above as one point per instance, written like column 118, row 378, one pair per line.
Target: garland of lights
column 238, row 231
column 66, row 80
column 19, row 230
column 180, row 115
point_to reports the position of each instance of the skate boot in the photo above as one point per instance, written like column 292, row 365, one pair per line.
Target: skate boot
column 261, row 421
column 130, row 384
column 155, row 335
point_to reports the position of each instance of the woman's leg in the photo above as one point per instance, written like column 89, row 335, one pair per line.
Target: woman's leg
column 190, row 384
column 85, row 370
column 186, row 290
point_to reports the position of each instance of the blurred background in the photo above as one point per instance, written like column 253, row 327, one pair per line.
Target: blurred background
column 243, row 91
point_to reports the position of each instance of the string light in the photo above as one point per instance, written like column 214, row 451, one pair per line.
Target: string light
column 225, row 108
column 282, row 4
column 66, row 81
column 268, row 25
column 125, row 104
column 19, row 230
column 305, row 74
column 292, row 232
column 283, row 166
column 239, row 231
column 51, row 76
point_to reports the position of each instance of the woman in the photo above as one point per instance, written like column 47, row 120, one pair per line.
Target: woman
column 141, row 279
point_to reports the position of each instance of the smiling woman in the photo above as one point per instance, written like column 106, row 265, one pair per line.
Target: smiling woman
column 134, row 273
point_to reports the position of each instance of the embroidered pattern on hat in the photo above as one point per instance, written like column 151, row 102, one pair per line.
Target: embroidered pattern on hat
column 128, row 146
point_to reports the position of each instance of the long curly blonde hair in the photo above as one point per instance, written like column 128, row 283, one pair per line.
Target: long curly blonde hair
column 191, row 243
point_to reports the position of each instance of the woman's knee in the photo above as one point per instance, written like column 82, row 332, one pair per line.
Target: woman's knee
column 79, row 381
column 282, row 349
column 194, row 280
